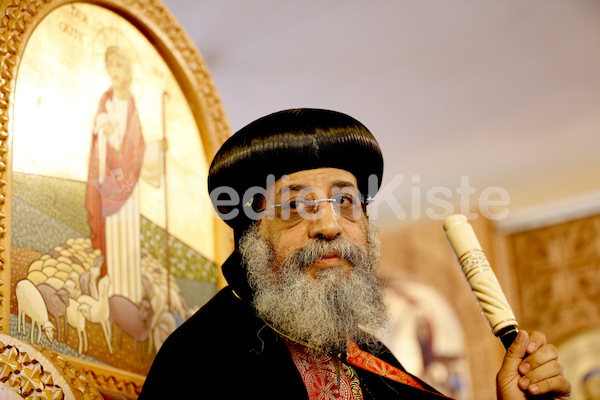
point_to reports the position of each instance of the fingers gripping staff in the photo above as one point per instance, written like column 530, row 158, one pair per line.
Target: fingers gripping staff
column 481, row 278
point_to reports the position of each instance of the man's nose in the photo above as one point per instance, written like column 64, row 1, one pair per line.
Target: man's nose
column 325, row 222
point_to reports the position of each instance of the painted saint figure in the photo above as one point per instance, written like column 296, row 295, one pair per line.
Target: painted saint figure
column 112, row 199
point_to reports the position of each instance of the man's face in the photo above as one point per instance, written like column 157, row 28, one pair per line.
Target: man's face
column 118, row 71
column 314, row 279
column 287, row 237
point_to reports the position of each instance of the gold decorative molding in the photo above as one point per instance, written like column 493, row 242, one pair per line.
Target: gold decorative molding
column 110, row 378
column 33, row 372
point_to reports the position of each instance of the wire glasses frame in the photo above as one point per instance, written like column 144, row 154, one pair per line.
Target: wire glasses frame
column 351, row 206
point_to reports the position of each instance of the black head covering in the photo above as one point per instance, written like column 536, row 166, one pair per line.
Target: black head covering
column 286, row 142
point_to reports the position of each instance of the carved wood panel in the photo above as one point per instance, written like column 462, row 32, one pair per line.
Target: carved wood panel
column 557, row 271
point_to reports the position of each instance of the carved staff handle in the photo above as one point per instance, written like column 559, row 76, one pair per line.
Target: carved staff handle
column 481, row 278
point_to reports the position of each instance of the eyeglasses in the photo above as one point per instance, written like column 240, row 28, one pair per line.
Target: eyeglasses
column 348, row 205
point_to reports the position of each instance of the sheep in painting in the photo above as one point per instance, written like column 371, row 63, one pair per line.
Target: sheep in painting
column 131, row 319
column 162, row 328
column 99, row 310
column 88, row 281
column 56, row 303
column 30, row 303
column 76, row 317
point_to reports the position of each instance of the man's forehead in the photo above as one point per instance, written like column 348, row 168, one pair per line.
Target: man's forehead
column 318, row 179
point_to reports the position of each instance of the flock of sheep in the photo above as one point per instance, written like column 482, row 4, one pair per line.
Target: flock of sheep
column 65, row 283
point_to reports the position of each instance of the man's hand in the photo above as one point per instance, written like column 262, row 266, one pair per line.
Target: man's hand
column 531, row 368
column 108, row 129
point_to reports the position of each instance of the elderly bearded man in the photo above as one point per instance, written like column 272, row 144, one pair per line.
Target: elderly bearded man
column 303, row 294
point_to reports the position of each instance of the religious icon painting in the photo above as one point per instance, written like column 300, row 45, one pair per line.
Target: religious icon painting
column 111, row 233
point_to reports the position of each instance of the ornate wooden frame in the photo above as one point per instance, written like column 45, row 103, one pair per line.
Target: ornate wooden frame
column 18, row 19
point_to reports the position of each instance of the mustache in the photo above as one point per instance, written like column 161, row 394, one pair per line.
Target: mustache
column 316, row 249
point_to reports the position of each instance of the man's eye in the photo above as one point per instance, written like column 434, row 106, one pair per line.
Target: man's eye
column 296, row 204
column 344, row 200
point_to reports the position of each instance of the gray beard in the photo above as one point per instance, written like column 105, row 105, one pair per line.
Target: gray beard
column 322, row 313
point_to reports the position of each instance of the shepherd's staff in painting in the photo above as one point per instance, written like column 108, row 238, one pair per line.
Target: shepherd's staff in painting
column 481, row 278
column 165, row 97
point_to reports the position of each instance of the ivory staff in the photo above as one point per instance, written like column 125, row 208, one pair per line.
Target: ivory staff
column 481, row 278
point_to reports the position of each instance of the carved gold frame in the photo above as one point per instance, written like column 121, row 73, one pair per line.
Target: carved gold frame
column 18, row 19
